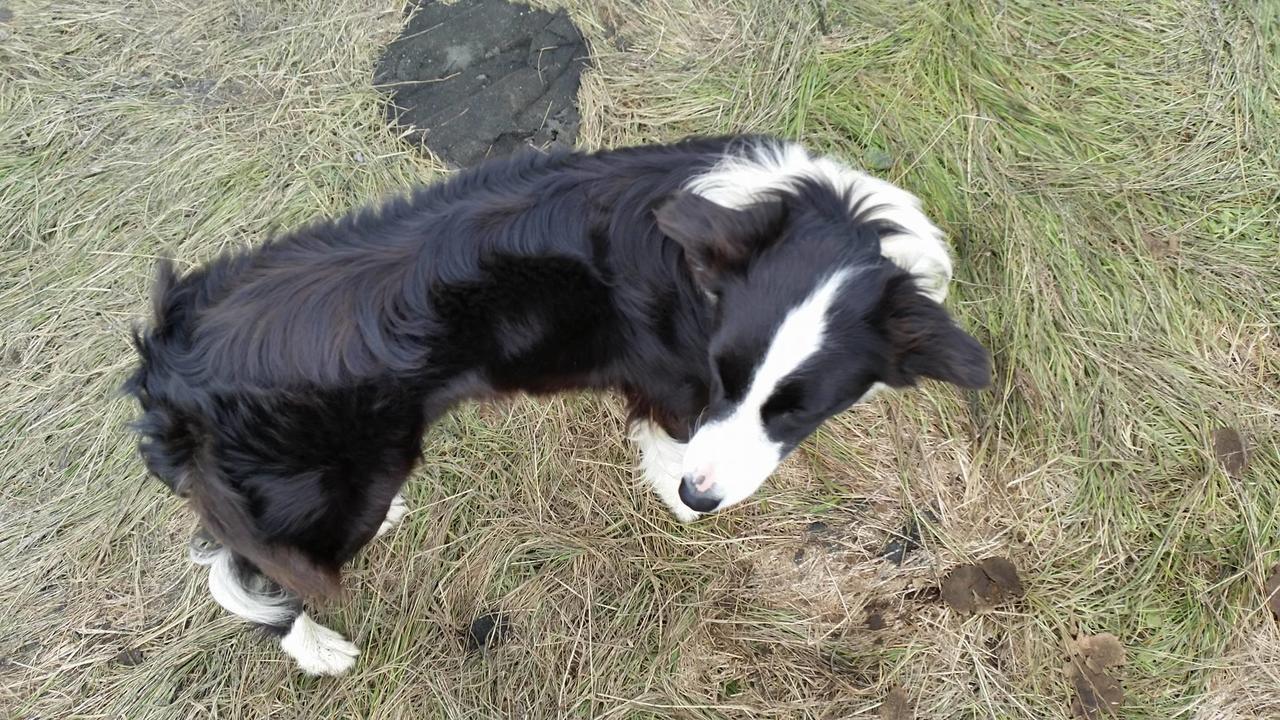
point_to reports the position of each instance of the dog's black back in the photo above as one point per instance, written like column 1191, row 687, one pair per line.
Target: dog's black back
column 285, row 388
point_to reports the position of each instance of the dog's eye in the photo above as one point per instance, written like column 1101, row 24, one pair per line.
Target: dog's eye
column 786, row 401
column 733, row 372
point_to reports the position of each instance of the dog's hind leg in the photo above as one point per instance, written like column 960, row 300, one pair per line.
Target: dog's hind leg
column 660, row 459
column 290, row 506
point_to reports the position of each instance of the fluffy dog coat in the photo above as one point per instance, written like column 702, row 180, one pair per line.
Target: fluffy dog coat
column 736, row 291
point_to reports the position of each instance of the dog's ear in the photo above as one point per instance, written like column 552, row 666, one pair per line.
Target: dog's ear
column 718, row 240
column 925, row 342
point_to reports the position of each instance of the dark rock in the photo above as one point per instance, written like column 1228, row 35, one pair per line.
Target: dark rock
column 129, row 658
column 906, row 539
column 482, row 78
column 486, row 631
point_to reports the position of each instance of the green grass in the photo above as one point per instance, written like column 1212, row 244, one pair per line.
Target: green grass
column 1108, row 174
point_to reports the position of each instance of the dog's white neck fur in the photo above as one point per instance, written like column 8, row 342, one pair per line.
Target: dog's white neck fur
column 742, row 177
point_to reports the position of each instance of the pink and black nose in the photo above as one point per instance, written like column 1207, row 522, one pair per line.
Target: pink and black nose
column 699, row 494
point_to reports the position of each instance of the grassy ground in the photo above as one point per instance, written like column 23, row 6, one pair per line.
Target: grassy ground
column 1108, row 172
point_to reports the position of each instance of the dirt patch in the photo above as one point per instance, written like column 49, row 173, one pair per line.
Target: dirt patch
column 482, row 78
column 833, row 571
column 970, row 588
column 896, row 705
column 1271, row 590
column 1229, row 448
column 821, row 571
column 867, row 571
column 1098, row 694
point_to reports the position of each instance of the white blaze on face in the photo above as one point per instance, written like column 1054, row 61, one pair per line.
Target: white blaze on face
column 735, row 453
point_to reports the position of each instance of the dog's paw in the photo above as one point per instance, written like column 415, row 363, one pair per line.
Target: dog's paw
column 317, row 649
column 683, row 513
column 399, row 508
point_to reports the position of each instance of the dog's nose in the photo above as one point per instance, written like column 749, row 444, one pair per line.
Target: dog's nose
column 699, row 500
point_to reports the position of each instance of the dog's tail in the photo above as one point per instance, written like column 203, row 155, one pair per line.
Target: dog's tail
column 175, row 447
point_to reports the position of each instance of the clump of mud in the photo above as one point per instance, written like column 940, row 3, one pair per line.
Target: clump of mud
column 481, row 78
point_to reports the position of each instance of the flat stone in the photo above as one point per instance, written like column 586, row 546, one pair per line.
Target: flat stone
column 481, row 78
column 129, row 658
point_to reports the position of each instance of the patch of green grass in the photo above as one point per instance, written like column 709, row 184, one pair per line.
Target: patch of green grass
column 1115, row 221
column 1106, row 172
column 1110, row 186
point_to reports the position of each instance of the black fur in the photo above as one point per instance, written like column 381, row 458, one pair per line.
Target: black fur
column 285, row 389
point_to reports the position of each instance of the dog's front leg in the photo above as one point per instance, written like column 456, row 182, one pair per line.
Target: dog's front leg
column 660, row 462
column 399, row 508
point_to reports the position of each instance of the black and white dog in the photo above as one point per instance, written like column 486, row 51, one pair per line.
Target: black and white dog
column 737, row 291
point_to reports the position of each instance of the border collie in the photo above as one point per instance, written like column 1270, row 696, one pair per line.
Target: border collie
column 736, row 291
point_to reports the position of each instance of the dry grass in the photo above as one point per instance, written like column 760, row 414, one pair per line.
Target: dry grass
column 1108, row 173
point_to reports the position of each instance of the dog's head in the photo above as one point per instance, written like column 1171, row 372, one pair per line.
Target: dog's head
column 827, row 285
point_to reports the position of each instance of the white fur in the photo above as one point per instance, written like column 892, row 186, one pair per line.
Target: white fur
column 261, row 603
column 395, row 514
column 660, row 458
column 743, row 177
column 318, row 650
column 735, row 453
